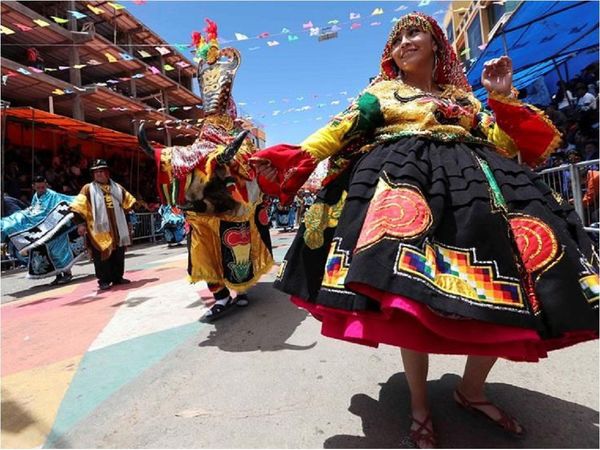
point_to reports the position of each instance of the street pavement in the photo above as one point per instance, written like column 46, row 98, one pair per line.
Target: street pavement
column 133, row 368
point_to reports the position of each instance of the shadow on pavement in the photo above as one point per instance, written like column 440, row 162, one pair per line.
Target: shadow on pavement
column 14, row 417
column 265, row 324
column 47, row 287
column 550, row 422
column 122, row 287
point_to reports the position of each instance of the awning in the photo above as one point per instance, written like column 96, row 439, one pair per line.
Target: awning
column 538, row 32
column 74, row 127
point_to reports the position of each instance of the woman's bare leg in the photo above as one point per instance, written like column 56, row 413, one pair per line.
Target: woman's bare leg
column 416, row 366
column 472, row 386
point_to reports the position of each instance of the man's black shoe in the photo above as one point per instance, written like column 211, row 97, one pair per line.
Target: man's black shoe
column 103, row 286
column 123, row 281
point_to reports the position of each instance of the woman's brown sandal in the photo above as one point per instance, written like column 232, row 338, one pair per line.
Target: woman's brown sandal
column 506, row 422
column 423, row 434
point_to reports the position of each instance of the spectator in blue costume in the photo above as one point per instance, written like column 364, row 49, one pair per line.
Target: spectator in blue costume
column 45, row 233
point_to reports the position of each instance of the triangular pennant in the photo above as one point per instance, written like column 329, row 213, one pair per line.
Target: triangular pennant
column 116, row 6
column 182, row 64
column 377, row 12
column 79, row 66
column 263, row 35
column 163, row 50
column 36, row 70
column 285, row 31
column 375, row 24
column 126, row 56
column 292, row 37
column 355, row 26
column 77, row 14
column 58, row 92
column 272, row 43
column 95, row 10
column 154, row 70
column 168, row 67
column 354, row 16
column 59, row 19
column 401, row 8
column 333, row 22
column 6, row 30
column 94, row 62
column 110, row 58
column 240, row 36
column 424, row 3
column 23, row 71
column 144, row 54
column 308, row 25
column 22, row 27
column 41, row 23
column 314, row 31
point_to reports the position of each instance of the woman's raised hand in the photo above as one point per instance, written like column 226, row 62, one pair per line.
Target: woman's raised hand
column 497, row 75
column 263, row 167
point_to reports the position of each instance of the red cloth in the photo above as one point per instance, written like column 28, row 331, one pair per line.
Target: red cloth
column 531, row 133
column 406, row 323
column 293, row 165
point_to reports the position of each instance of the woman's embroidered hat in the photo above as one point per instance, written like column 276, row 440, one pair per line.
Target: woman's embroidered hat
column 449, row 69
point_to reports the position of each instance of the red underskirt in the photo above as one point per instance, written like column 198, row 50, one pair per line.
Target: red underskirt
column 406, row 323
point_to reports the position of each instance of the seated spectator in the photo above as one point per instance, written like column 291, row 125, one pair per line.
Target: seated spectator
column 590, row 150
column 563, row 99
column 585, row 100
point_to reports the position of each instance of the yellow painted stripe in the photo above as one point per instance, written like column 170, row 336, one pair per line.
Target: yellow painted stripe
column 30, row 401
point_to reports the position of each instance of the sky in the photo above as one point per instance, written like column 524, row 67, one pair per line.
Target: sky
column 293, row 88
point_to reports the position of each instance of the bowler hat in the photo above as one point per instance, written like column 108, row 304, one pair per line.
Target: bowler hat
column 99, row 164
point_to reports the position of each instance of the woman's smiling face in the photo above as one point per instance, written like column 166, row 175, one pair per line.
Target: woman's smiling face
column 413, row 49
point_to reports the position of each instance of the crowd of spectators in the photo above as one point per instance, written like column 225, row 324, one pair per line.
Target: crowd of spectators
column 67, row 172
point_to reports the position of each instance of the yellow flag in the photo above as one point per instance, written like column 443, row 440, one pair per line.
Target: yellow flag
column 6, row 30
column 59, row 19
column 116, row 6
column 110, row 57
column 377, row 12
column 58, row 92
column 41, row 23
column 169, row 67
column 95, row 10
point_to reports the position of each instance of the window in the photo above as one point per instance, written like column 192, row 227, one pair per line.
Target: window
column 494, row 14
column 474, row 38
column 450, row 32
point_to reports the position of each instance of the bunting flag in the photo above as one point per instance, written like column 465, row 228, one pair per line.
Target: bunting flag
column 333, row 22
column 36, row 70
column 79, row 66
column 144, row 54
column 272, row 43
column 162, row 50
column 307, row 26
column 77, row 14
column 110, row 57
column 182, row 64
column 41, row 23
column 253, row 48
column 466, row 52
column 59, row 19
column 377, row 12
column 401, row 8
column 354, row 16
column 58, row 92
column 94, row 9
column 23, row 71
column 395, row 19
column 292, row 37
column 168, row 67
column 263, row 35
column 285, row 31
column 154, row 70
column 94, row 62
column 240, row 36
column 314, row 31
column 116, row 6
column 424, row 3
column 126, row 56
column 482, row 46
column 355, row 26
column 22, row 27
column 375, row 24
column 50, row 69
